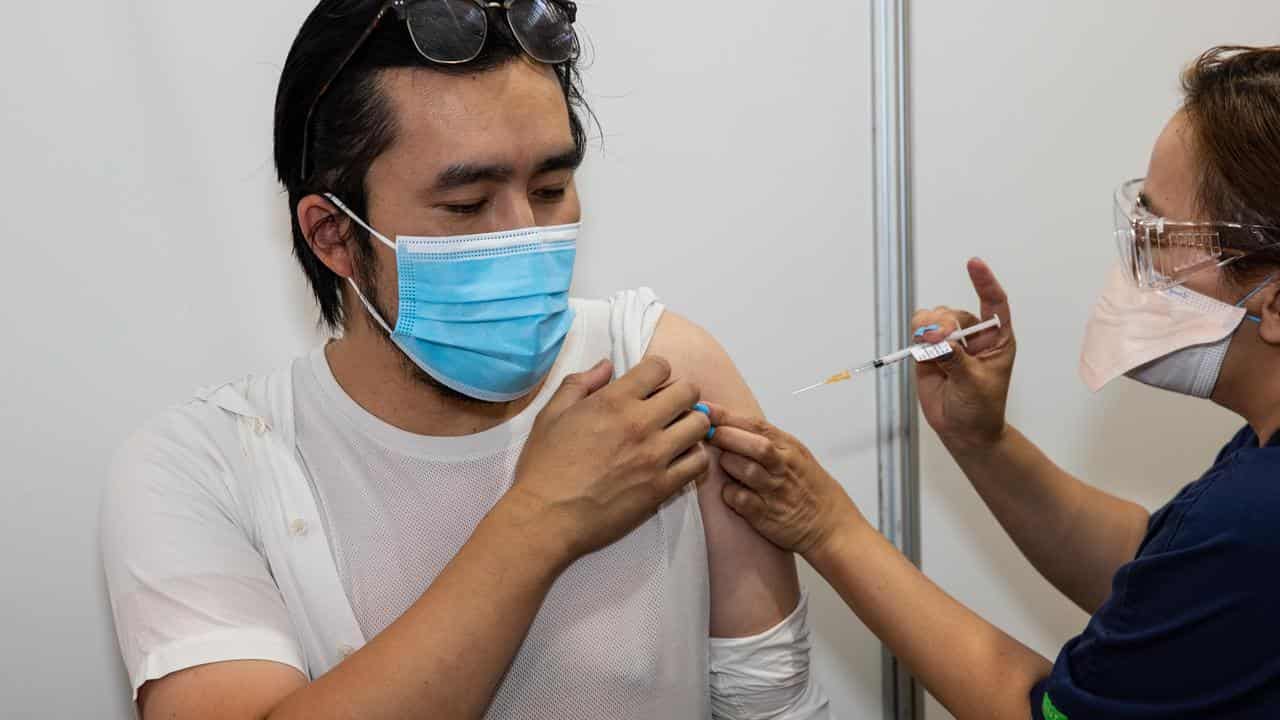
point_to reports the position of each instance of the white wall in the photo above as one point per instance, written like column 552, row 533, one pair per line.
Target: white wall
column 148, row 253
column 1027, row 115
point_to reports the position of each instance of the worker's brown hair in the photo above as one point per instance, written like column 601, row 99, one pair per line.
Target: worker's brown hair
column 1233, row 104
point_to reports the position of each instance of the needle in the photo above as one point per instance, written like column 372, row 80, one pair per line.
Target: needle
column 921, row 351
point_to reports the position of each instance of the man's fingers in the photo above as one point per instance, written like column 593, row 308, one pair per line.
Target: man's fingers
column 749, row 473
column 991, row 296
column 671, row 402
column 644, row 379
column 748, row 444
column 577, row 387
column 684, row 433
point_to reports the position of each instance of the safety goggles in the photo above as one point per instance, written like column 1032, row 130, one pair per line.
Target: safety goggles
column 453, row 32
column 1157, row 253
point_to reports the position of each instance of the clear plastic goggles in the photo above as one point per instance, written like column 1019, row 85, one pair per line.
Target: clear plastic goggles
column 1157, row 253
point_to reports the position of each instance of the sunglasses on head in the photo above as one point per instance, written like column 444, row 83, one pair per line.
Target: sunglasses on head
column 453, row 32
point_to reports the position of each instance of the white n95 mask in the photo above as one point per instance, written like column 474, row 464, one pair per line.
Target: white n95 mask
column 1174, row 339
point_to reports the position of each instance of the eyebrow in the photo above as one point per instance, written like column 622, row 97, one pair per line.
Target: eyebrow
column 464, row 174
column 570, row 159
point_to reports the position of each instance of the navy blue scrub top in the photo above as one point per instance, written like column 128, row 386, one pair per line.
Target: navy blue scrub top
column 1190, row 629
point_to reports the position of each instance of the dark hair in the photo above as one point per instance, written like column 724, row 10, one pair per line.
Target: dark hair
column 354, row 123
column 1233, row 103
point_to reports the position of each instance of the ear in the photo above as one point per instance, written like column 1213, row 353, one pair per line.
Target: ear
column 1269, row 330
column 327, row 230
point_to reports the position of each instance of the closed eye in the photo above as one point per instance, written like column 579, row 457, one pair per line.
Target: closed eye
column 551, row 194
column 465, row 208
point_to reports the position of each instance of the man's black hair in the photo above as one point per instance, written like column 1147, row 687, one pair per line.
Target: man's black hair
column 354, row 123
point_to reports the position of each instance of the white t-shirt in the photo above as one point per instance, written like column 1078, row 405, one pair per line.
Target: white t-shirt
column 219, row 544
column 397, row 507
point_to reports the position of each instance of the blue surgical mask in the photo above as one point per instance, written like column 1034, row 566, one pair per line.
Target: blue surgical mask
column 485, row 315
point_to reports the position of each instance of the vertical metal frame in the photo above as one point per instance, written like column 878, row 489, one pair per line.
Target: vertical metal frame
column 895, row 301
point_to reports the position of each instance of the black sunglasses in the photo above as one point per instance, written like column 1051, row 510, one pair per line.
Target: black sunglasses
column 452, row 32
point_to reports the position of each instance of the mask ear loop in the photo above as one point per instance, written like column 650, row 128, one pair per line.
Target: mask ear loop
column 1253, row 292
column 360, row 222
column 365, row 301
column 369, row 307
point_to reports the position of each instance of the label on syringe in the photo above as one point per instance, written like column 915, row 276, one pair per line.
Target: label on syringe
column 925, row 353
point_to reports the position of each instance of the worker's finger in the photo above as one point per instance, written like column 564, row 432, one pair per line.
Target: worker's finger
column 750, row 473
column 992, row 299
column 959, row 364
column 924, row 322
column 690, row 467
column 984, row 341
column 942, row 322
column 745, row 502
column 936, row 323
column 974, row 344
column 928, row 376
column 951, row 321
column 757, row 448
column 724, row 417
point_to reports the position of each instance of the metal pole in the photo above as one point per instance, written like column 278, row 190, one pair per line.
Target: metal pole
column 895, row 300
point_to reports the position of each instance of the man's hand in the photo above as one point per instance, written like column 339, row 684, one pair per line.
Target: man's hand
column 601, row 460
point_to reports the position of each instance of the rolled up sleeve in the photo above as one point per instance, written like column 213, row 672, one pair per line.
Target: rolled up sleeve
column 186, row 583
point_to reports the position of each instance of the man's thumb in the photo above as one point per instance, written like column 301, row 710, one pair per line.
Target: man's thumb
column 579, row 386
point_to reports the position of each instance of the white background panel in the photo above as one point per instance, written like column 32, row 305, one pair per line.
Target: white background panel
column 149, row 254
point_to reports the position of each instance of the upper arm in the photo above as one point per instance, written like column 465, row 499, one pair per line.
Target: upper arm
column 187, row 586
column 753, row 583
column 237, row 690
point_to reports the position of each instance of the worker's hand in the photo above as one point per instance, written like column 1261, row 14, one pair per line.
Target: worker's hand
column 778, row 486
column 963, row 395
column 602, row 457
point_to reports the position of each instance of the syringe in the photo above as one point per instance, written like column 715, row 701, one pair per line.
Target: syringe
column 921, row 352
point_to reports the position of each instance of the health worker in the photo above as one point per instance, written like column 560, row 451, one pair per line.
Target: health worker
column 1182, row 600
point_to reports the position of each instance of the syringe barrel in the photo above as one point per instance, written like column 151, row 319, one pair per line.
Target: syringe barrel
column 962, row 333
column 894, row 357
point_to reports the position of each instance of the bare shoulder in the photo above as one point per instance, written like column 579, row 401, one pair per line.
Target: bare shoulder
column 695, row 355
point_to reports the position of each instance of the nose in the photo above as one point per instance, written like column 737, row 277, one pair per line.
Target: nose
column 516, row 211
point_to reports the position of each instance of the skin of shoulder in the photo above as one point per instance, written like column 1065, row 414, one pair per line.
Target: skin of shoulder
column 754, row 585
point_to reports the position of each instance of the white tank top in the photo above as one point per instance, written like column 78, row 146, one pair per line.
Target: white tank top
column 623, row 633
